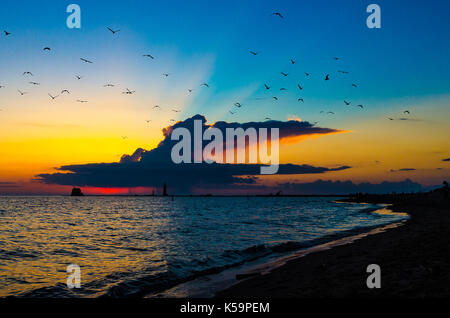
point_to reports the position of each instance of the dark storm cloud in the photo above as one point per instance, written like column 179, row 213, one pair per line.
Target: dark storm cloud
column 155, row 167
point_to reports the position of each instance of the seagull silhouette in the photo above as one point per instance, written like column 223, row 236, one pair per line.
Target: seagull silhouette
column 128, row 92
column 112, row 31
column 361, row 106
column 407, row 112
column 355, row 86
column 276, row 98
column 331, row 113
column 267, row 87
column 53, row 97
column 148, row 120
column 327, row 78
column 156, row 106
column 307, row 74
column 336, row 58
column 300, row 100
column 78, row 77
column 267, row 118
column 27, row 73
column 34, row 83
column 278, row 14
column 284, row 74
column 238, row 105
column 205, row 84
column 176, row 110
column 254, row 53
column 6, row 33
column 65, row 91
column 86, row 61
column 190, row 90
column 283, row 89
column 347, row 103
column 47, row 49
column 390, row 118
column 231, row 112
column 148, row 55
column 292, row 61
column 299, row 87
column 21, row 93
column 166, row 74
column 108, row 85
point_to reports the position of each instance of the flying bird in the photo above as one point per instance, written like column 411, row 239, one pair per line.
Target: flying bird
column 407, row 112
column 148, row 55
column 355, row 86
column 299, row 87
column 292, row 61
column 81, row 101
column 205, row 84
column 254, row 53
column 108, row 85
column 148, row 120
column 78, row 77
column 267, row 118
column 336, row 58
column 283, row 89
column 27, row 73
column 166, row 74
column 65, row 91
column 34, row 83
column 361, row 106
column 231, row 112
column 300, row 100
column 6, row 33
column 21, row 93
column 238, row 105
column 347, row 103
column 156, row 106
column 276, row 98
column 128, row 92
column 47, row 49
column 284, row 74
column 332, row 113
column 176, row 110
column 343, row 72
column 86, row 61
column 390, row 118
column 307, row 74
column 112, row 31
column 267, row 87
column 124, row 137
column 327, row 78
column 278, row 14
column 190, row 90
column 53, row 97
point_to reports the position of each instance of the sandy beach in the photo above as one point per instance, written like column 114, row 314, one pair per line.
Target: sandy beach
column 414, row 259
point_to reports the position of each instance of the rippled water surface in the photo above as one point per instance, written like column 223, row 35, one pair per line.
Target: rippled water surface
column 130, row 246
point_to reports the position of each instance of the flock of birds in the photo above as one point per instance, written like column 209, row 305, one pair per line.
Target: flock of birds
column 236, row 105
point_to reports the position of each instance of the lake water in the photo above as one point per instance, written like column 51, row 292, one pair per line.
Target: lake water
column 132, row 246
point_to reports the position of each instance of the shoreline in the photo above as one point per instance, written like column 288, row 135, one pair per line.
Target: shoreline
column 414, row 259
column 206, row 286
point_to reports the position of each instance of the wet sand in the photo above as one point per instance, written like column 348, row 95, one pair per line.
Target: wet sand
column 414, row 259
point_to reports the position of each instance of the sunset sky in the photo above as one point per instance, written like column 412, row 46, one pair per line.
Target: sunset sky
column 404, row 65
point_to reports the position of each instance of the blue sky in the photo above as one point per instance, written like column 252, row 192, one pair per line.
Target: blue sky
column 403, row 65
